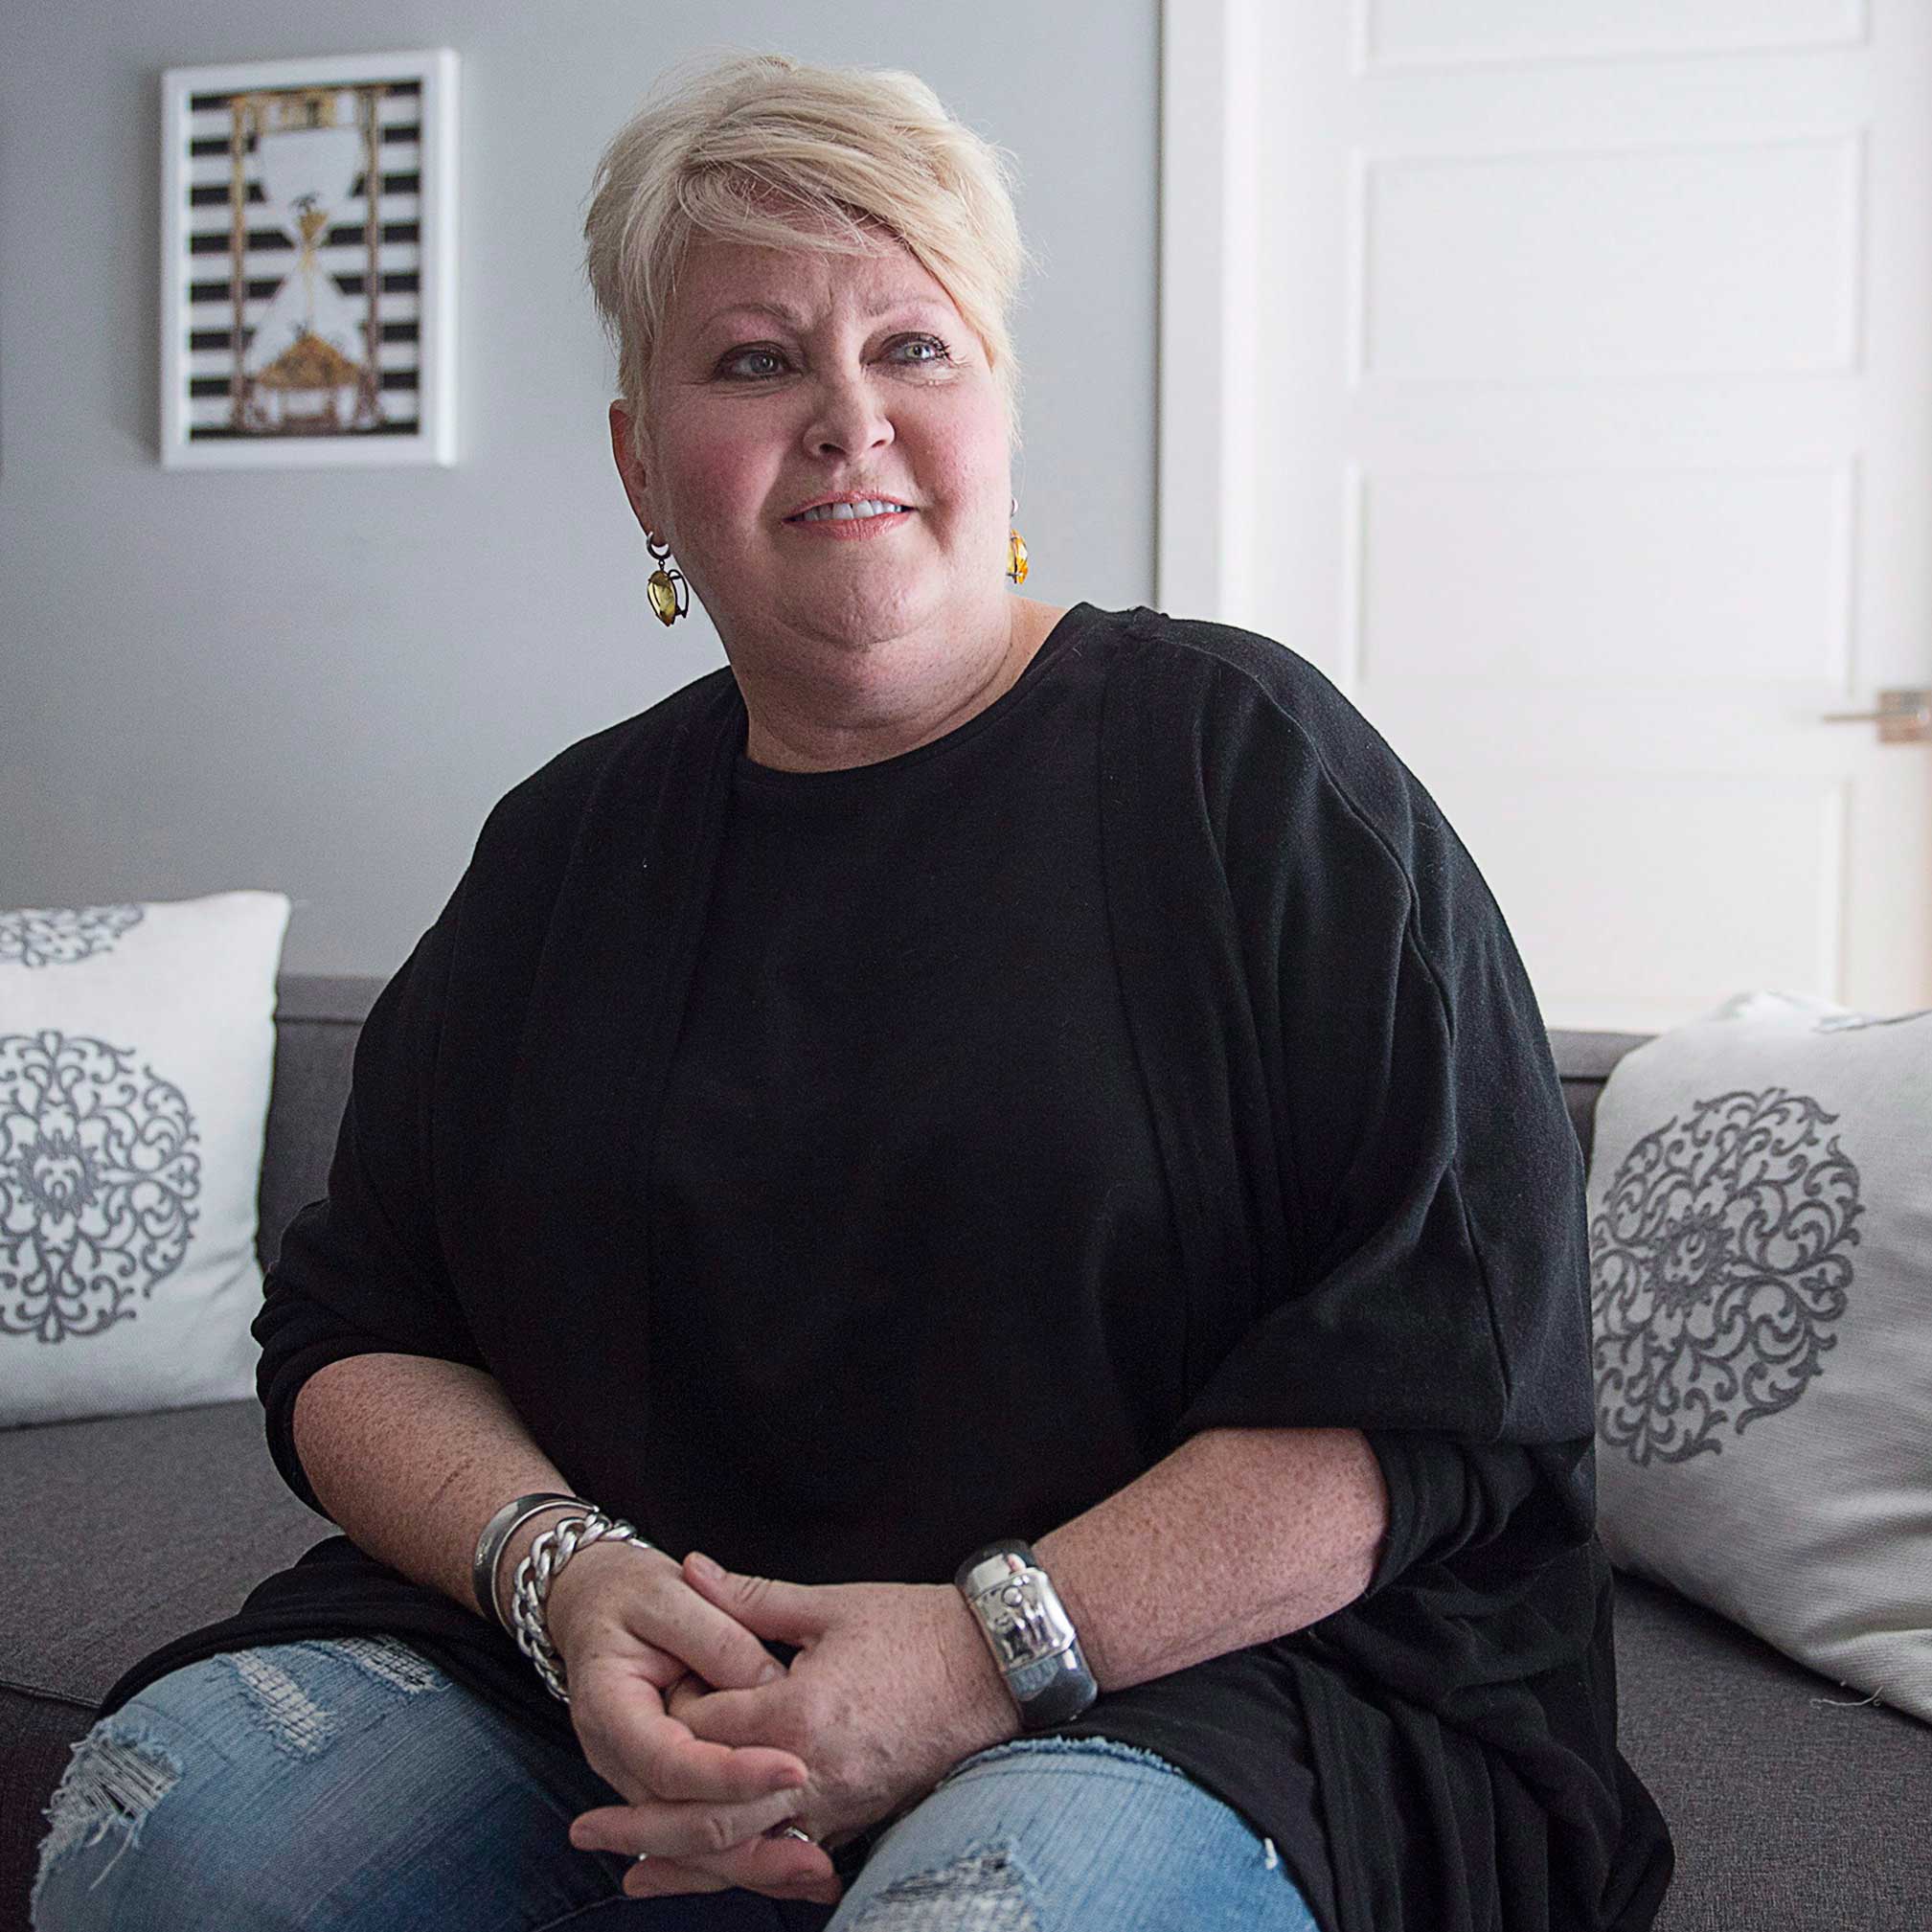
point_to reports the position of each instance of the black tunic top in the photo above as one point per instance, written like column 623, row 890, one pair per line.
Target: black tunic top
column 1143, row 1057
column 905, row 1148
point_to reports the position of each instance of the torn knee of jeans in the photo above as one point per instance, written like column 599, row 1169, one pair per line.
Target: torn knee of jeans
column 389, row 1661
column 296, row 1723
column 114, row 1779
column 983, row 1891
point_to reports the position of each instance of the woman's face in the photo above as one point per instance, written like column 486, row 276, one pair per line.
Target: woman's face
column 785, row 375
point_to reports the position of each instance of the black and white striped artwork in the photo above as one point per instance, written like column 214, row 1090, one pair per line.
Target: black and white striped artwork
column 309, row 211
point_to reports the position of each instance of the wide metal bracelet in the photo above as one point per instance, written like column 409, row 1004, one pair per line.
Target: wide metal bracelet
column 1029, row 1632
column 488, row 1560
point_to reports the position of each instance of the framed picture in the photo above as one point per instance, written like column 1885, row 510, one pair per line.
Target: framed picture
column 308, row 261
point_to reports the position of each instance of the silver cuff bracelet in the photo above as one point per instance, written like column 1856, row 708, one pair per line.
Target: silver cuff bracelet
column 1029, row 1632
column 496, row 1540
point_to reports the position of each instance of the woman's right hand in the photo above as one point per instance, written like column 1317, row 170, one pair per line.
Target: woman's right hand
column 628, row 1627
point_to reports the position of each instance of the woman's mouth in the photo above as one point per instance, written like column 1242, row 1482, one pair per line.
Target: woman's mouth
column 847, row 523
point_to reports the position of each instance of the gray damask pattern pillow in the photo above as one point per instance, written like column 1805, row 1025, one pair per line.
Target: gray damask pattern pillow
column 57, row 937
column 1760, row 1243
column 137, row 1044
column 97, row 1196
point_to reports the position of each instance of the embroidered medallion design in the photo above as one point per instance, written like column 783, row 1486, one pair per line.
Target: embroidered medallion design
column 1719, row 1263
column 60, row 938
column 97, row 1174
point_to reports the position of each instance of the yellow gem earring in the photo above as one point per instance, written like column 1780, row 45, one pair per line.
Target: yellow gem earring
column 669, row 593
column 1016, row 551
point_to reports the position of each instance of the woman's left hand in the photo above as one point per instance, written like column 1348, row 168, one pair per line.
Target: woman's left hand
column 891, row 1687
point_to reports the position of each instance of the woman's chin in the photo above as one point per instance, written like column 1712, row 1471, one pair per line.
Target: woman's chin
column 865, row 605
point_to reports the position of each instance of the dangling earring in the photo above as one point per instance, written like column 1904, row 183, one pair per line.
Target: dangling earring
column 1016, row 551
column 669, row 591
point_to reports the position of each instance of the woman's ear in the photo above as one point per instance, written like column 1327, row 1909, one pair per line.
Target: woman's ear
column 630, row 466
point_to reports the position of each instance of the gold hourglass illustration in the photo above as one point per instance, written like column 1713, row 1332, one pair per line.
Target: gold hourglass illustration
column 306, row 363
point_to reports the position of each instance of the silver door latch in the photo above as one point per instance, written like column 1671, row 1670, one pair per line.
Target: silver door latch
column 1903, row 717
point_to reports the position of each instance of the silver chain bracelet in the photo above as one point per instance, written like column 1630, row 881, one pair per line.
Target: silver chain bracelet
column 538, row 1572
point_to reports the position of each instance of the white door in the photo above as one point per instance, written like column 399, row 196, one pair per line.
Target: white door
column 1556, row 374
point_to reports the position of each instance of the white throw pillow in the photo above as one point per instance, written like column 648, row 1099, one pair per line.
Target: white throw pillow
column 1761, row 1251
column 137, row 1044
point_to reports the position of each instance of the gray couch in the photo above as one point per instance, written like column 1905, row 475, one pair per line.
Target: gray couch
column 1793, row 1811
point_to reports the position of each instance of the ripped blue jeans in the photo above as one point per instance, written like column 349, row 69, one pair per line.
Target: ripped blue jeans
column 349, row 1786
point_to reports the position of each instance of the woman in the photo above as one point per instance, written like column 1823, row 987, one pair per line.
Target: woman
column 972, row 1070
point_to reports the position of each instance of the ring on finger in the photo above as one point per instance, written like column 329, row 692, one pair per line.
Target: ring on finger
column 776, row 1832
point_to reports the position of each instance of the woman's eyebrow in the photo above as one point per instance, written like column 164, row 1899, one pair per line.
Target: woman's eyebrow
column 793, row 320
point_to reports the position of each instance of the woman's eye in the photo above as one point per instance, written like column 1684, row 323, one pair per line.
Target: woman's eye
column 734, row 365
column 737, row 357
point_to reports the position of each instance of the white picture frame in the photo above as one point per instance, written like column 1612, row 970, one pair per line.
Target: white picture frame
column 336, row 343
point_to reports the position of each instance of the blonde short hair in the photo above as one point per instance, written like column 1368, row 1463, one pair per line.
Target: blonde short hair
column 729, row 151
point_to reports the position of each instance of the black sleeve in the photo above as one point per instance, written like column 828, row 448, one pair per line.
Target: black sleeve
column 361, row 1271
column 1436, row 1289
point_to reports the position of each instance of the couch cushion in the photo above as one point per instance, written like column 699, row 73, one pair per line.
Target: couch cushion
column 130, row 1529
column 318, row 1019
column 1794, row 1807
column 123, row 1532
column 1583, row 1060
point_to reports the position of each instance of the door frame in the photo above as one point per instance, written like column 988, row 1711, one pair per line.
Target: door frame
column 1210, row 180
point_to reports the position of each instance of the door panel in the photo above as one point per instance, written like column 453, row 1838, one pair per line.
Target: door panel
column 1556, row 374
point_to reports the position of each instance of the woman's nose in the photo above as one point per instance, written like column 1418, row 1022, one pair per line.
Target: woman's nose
column 849, row 418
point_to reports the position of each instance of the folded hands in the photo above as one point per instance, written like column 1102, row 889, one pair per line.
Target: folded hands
column 892, row 1686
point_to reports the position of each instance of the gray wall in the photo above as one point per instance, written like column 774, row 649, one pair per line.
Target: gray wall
column 320, row 681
